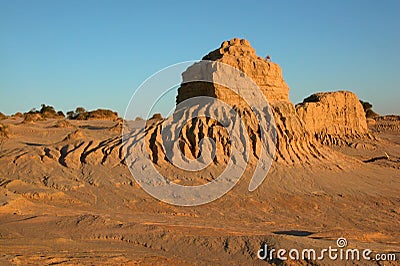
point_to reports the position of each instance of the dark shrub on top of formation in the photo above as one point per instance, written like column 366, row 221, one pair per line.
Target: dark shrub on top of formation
column 46, row 111
column 80, row 113
column 369, row 113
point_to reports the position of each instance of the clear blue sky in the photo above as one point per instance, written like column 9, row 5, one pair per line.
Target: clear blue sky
column 96, row 53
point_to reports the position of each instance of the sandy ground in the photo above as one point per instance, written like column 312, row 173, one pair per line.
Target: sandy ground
column 60, row 203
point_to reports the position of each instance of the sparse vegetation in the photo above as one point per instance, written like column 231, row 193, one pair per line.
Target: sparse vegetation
column 46, row 111
column 369, row 113
column 80, row 110
column 79, row 113
column 70, row 114
column 60, row 114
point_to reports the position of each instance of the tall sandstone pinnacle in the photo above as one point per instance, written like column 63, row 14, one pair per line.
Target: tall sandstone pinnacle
column 295, row 144
column 239, row 54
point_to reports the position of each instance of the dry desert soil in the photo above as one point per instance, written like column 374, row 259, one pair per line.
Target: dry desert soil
column 66, row 198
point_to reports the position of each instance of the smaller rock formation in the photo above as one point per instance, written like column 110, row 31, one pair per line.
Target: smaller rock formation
column 3, row 116
column 99, row 114
column 386, row 123
column 333, row 117
column 32, row 117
